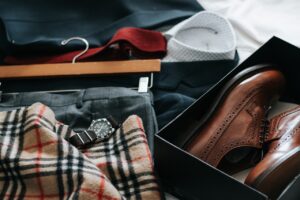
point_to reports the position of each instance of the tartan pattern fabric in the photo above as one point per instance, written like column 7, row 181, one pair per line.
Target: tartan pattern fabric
column 37, row 161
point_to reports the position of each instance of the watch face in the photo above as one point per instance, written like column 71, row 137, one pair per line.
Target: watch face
column 102, row 128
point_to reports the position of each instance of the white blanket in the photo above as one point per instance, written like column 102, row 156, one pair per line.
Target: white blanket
column 256, row 21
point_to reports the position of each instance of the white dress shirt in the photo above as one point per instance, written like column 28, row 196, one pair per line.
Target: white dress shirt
column 204, row 36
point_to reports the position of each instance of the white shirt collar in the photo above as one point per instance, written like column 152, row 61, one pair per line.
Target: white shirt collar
column 204, row 36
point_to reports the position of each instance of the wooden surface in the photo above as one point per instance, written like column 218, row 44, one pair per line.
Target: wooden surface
column 79, row 69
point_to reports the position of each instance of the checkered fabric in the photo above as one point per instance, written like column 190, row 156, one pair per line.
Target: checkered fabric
column 37, row 161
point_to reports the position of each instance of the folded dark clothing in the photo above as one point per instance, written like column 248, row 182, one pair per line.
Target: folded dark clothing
column 192, row 78
column 39, row 26
column 179, row 84
column 79, row 109
column 169, row 105
column 38, row 162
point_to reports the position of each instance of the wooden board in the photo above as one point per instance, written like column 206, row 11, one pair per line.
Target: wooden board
column 79, row 69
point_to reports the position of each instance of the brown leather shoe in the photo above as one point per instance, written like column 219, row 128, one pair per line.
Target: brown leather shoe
column 282, row 161
column 236, row 121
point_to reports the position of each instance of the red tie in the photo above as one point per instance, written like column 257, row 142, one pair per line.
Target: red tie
column 141, row 43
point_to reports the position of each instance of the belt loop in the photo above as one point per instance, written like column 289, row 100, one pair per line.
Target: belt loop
column 80, row 98
column 19, row 99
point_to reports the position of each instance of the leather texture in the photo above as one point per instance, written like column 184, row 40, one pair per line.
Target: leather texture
column 235, row 124
column 34, row 26
column 84, row 138
column 282, row 161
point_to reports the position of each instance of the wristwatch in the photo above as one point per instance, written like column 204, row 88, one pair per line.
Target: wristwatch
column 99, row 130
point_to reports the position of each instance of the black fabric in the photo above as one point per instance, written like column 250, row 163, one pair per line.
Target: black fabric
column 39, row 26
column 192, row 78
column 180, row 83
column 169, row 105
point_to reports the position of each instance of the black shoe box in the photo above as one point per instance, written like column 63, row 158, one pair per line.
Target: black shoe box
column 186, row 176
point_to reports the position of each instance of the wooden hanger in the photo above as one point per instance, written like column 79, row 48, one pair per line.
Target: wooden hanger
column 80, row 69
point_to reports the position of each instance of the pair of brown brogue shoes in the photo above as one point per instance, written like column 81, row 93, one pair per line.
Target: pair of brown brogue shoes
column 237, row 132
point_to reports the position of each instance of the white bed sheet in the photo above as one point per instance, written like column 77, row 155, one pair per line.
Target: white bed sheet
column 256, row 21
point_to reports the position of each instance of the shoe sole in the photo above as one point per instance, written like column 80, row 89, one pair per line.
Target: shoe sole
column 240, row 77
column 275, row 179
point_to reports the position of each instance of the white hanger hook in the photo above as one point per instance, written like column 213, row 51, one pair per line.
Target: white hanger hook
column 64, row 42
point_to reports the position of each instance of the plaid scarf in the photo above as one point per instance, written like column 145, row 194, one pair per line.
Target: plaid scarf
column 37, row 161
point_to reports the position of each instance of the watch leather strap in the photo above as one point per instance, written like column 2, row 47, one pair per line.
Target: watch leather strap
column 88, row 136
column 113, row 122
column 83, row 138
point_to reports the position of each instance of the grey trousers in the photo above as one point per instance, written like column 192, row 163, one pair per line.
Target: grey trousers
column 78, row 109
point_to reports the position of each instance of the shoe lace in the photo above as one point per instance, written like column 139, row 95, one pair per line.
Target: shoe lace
column 264, row 129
